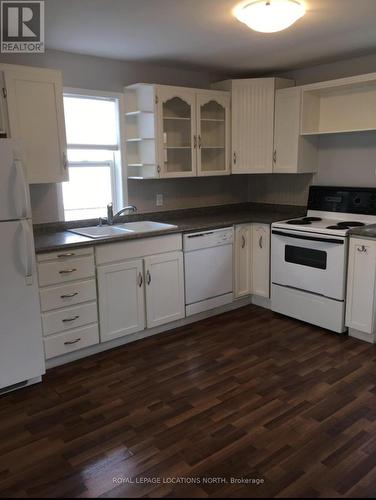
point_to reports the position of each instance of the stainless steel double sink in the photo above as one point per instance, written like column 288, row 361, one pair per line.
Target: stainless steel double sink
column 106, row 231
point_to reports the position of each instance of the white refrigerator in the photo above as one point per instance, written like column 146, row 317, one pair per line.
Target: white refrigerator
column 21, row 344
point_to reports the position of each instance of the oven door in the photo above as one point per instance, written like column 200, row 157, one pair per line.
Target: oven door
column 310, row 262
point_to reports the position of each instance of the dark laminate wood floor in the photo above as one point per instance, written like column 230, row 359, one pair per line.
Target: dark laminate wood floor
column 248, row 394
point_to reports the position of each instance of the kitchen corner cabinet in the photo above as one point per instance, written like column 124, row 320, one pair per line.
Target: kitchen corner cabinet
column 33, row 99
column 253, row 102
column 252, row 260
column 176, row 131
column 361, row 289
column 293, row 153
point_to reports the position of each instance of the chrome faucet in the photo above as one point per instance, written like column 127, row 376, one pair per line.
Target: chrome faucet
column 111, row 217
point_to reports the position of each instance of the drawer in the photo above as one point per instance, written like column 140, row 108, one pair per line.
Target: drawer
column 67, row 295
column 70, row 341
column 68, row 318
column 56, row 272
column 135, row 249
column 65, row 255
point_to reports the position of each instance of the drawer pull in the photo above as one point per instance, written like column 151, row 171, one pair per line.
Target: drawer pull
column 67, row 271
column 69, row 254
column 71, row 342
column 68, row 295
column 68, row 320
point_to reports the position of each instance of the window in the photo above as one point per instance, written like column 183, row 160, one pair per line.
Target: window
column 92, row 128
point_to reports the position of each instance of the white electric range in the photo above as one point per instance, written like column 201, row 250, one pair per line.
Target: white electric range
column 309, row 255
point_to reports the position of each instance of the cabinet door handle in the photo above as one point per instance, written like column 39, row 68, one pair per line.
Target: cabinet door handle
column 68, row 254
column 69, row 320
column 140, row 279
column 148, row 277
column 65, row 161
column 68, row 295
column 195, row 142
column 362, row 249
column 243, row 241
column 199, row 142
column 71, row 342
column 260, row 242
column 68, row 271
column 275, row 156
column 234, row 157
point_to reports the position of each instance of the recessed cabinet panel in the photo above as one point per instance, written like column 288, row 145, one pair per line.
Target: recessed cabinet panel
column 164, row 282
column 36, row 117
column 360, row 305
column 121, row 299
column 252, row 125
column 243, row 255
column 260, row 269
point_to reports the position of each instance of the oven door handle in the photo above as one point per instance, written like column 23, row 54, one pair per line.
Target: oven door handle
column 309, row 238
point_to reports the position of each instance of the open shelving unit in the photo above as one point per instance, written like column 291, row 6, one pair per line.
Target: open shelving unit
column 140, row 131
column 339, row 106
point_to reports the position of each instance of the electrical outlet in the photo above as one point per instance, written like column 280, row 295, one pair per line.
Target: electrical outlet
column 159, row 200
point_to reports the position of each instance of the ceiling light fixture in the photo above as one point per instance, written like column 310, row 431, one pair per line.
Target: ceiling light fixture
column 269, row 16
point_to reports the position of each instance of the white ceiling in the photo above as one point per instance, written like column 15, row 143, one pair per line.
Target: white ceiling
column 204, row 34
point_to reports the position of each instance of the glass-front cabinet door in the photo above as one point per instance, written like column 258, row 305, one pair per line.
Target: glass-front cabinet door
column 177, row 124
column 213, row 133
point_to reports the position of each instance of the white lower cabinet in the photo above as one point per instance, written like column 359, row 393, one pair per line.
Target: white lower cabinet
column 243, row 255
column 252, row 260
column 143, row 290
column 361, row 289
column 260, row 261
column 121, row 299
column 68, row 298
column 164, row 275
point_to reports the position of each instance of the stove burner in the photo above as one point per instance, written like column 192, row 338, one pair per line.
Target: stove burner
column 346, row 225
column 304, row 221
column 313, row 219
column 350, row 224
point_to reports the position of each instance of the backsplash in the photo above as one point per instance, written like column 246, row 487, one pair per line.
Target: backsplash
column 284, row 189
column 188, row 192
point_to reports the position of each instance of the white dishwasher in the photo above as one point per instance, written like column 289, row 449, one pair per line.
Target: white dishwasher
column 208, row 266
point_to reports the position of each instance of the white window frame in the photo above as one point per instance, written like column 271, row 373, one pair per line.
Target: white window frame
column 119, row 185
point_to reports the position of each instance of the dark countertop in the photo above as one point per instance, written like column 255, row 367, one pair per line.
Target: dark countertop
column 55, row 237
column 364, row 232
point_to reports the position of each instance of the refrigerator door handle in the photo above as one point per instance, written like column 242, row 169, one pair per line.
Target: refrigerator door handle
column 24, row 189
column 28, row 240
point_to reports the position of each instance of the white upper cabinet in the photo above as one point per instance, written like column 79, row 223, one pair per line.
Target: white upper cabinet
column 213, row 133
column 35, row 112
column 293, row 153
column 253, row 122
column 177, row 131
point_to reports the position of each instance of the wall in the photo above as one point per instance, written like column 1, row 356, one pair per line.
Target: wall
column 97, row 73
column 189, row 192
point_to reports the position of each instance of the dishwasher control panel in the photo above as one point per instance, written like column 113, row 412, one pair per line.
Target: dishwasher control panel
column 208, row 239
